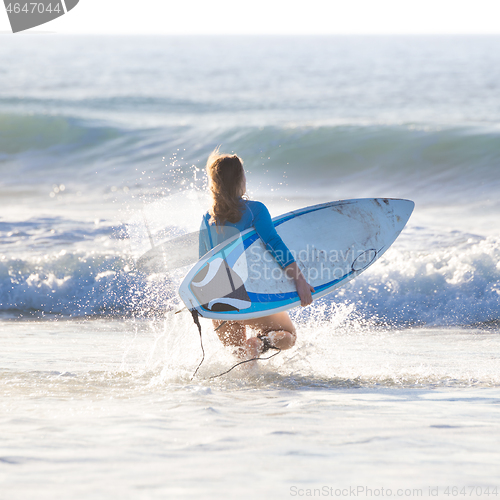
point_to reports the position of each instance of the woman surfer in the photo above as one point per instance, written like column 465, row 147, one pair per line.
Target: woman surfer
column 230, row 211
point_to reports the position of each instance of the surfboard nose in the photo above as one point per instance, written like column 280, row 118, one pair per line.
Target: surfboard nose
column 402, row 210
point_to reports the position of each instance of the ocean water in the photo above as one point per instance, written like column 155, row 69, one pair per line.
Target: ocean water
column 395, row 379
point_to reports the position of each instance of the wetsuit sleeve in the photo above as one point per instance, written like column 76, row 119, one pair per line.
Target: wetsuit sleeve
column 267, row 233
column 204, row 238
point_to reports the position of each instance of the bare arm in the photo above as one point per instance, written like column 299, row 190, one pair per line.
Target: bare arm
column 304, row 289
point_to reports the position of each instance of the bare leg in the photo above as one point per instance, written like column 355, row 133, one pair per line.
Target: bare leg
column 232, row 334
column 277, row 327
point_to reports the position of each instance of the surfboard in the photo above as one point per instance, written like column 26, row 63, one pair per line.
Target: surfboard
column 332, row 243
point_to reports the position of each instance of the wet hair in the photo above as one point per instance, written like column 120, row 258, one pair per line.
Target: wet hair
column 226, row 175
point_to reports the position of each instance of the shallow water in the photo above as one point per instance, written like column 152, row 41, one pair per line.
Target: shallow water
column 108, row 408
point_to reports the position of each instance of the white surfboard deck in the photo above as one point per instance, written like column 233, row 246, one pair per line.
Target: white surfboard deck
column 332, row 243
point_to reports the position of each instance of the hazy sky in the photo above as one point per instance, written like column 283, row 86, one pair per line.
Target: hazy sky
column 276, row 17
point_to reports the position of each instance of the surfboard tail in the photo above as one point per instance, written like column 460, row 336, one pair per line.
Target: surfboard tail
column 219, row 288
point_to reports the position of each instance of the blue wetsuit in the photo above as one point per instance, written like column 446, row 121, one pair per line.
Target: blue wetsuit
column 255, row 214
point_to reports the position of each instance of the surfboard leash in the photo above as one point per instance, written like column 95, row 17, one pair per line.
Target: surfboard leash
column 267, row 345
column 196, row 320
column 247, row 361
